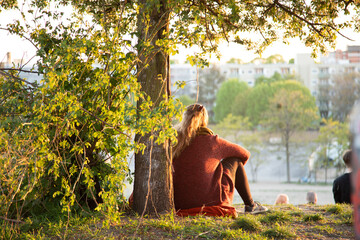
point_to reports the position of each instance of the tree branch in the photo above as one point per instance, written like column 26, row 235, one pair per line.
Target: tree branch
column 103, row 121
column 16, row 78
column 11, row 220
column 19, row 70
column 311, row 24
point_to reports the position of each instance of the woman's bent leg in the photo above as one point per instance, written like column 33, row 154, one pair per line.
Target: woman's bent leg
column 237, row 170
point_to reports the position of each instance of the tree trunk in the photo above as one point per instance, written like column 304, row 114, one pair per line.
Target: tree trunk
column 287, row 157
column 153, row 189
column 326, row 168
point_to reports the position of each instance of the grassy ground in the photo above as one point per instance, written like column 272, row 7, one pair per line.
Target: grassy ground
column 280, row 222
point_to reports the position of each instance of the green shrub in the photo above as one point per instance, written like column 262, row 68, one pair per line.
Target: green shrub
column 312, row 217
column 239, row 234
column 277, row 216
column 347, row 218
column 247, row 223
column 325, row 228
column 336, row 209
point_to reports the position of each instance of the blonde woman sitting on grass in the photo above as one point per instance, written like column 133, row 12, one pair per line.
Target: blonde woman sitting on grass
column 208, row 169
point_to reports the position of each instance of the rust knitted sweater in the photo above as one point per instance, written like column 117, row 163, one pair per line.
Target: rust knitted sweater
column 199, row 177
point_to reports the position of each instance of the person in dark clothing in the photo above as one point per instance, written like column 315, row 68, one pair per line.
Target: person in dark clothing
column 342, row 184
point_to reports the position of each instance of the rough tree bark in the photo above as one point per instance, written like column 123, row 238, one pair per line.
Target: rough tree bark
column 153, row 190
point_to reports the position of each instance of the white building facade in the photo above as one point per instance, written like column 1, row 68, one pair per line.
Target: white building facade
column 310, row 73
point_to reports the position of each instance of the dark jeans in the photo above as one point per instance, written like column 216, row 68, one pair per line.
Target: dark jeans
column 238, row 174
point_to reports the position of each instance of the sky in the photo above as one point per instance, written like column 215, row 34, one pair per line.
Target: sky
column 288, row 51
column 21, row 48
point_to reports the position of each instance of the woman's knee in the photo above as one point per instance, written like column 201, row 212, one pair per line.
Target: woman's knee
column 231, row 163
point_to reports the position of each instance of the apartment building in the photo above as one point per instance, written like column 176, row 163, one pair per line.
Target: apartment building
column 244, row 72
column 183, row 73
column 10, row 62
column 317, row 77
column 250, row 72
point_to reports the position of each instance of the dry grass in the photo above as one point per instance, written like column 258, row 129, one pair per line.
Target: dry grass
column 280, row 222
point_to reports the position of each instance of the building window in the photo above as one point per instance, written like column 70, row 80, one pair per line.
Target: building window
column 285, row 70
column 259, row 70
column 350, row 69
column 324, row 70
column 234, row 71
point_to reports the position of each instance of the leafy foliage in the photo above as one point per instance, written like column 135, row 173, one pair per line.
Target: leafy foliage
column 292, row 108
column 333, row 141
column 274, row 78
column 226, row 96
column 68, row 138
column 186, row 100
column 240, row 104
column 258, row 102
column 258, row 99
column 337, row 94
column 255, row 144
column 276, row 58
column 344, row 93
column 232, row 125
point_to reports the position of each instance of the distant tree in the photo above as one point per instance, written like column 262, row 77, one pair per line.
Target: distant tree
column 252, row 142
column 237, row 127
column 258, row 102
column 231, row 125
column 258, row 60
column 276, row 58
column 333, row 140
column 276, row 77
column 209, row 81
column 344, row 93
column 174, row 61
column 292, row 61
column 290, row 110
column 323, row 99
column 186, row 100
column 225, row 97
column 240, row 105
column 235, row 60
column 259, row 96
column 335, row 98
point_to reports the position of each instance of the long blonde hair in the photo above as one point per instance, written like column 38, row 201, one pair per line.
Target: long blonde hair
column 194, row 117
